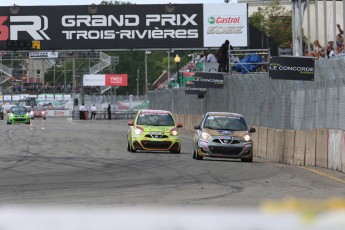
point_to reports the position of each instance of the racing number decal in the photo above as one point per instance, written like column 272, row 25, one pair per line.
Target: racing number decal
column 3, row 29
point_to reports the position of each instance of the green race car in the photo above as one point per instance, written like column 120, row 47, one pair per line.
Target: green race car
column 154, row 130
column 18, row 114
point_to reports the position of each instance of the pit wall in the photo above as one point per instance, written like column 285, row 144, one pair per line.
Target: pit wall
column 319, row 147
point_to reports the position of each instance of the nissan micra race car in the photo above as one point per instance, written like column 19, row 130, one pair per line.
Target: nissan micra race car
column 18, row 114
column 223, row 135
column 154, row 130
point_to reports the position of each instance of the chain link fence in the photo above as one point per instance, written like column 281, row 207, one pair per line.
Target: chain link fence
column 282, row 104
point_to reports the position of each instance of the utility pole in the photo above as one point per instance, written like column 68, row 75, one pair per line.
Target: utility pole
column 137, row 84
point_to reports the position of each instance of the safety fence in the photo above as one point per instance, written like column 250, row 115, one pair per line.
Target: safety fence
column 281, row 104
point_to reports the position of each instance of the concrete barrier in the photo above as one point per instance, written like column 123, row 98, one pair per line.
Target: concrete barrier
column 299, row 149
column 262, row 142
column 343, row 153
column 289, row 144
column 310, row 143
column 334, row 149
column 321, row 154
column 279, row 146
column 255, row 137
column 270, row 143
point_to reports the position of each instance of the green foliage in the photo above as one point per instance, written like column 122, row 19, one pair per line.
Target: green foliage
column 275, row 21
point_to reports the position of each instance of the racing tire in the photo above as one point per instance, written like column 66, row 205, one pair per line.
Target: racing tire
column 44, row 118
column 247, row 159
column 194, row 157
column 198, row 157
column 131, row 149
column 176, row 151
column 128, row 147
column 9, row 123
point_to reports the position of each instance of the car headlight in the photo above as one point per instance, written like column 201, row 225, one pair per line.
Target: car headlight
column 174, row 133
column 246, row 138
column 138, row 131
column 205, row 136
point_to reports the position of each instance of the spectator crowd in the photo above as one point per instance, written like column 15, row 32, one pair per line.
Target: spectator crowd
column 332, row 49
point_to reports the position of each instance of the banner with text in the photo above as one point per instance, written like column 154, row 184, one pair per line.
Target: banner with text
column 105, row 80
column 292, row 68
column 128, row 26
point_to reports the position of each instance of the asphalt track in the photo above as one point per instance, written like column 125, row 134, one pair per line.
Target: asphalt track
column 59, row 161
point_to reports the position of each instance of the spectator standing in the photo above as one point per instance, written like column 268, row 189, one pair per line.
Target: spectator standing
column 82, row 112
column 109, row 112
column 93, row 112
column 223, row 57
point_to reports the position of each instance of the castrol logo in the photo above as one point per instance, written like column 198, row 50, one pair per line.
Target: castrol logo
column 224, row 20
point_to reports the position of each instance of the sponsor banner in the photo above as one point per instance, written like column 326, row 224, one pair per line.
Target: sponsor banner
column 208, row 80
column 58, row 113
column 105, row 80
column 7, row 98
column 190, row 88
column 42, row 55
column 105, row 26
column 116, row 80
column 1, row 97
column 93, row 80
column 292, row 68
column 197, row 91
column 225, row 22
column 63, row 97
column 15, row 97
column 45, row 97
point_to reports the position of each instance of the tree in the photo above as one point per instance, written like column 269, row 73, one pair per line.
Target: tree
column 275, row 21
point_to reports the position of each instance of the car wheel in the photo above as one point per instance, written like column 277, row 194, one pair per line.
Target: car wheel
column 44, row 118
column 9, row 123
column 198, row 157
column 176, row 151
column 131, row 149
column 247, row 159
column 194, row 157
column 128, row 147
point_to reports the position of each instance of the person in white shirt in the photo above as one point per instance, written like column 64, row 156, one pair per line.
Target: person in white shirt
column 211, row 58
column 82, row 112
column 93, row 112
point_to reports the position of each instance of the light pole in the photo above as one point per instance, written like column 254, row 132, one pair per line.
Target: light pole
column 146, row 53
column 137, row 84
column 177, row 61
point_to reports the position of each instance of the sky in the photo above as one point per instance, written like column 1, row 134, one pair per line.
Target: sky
column 89, row 2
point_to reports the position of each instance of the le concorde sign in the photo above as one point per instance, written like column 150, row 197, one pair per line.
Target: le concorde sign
column 135, row 26
column 292, row 68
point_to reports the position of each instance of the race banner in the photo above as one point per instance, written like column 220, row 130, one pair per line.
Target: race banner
column 116, row 80
column 208, row 80
column 105, row 80
column 292, row 68
column 130, row 26
column 225, row 22
column 104, row 26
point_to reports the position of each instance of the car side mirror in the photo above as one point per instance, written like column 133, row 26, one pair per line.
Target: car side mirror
column 197, row 127
column 252, row 130
column 130, row 123
column 179, row 125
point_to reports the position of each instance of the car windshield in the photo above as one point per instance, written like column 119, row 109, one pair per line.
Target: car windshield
column 18, row 110
column 225, row 123
column 163, row 119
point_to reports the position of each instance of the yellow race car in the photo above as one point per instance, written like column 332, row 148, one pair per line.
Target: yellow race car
column 154, row 130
